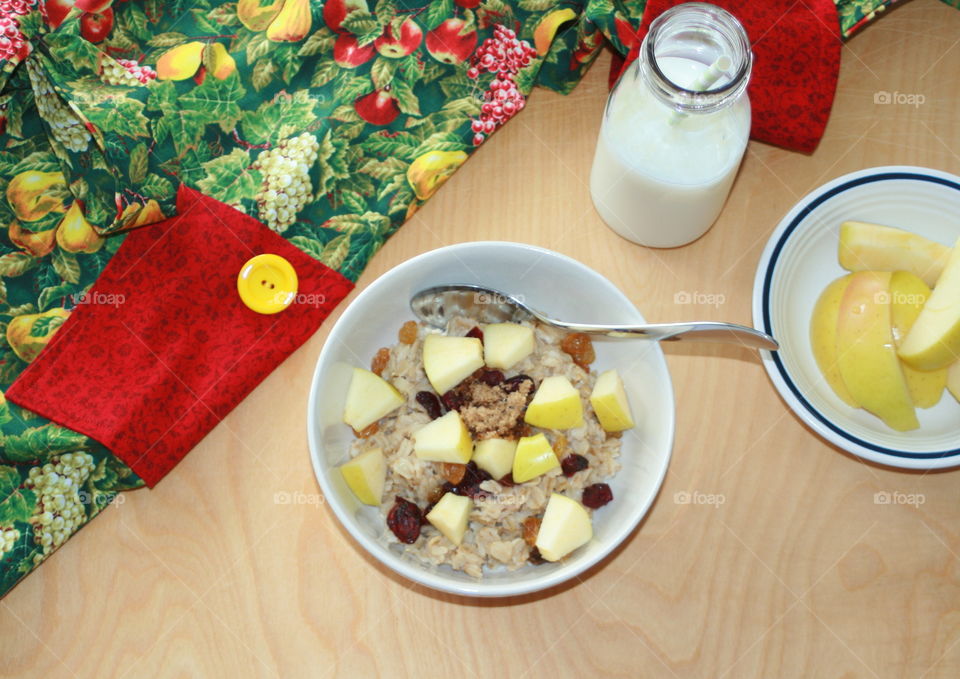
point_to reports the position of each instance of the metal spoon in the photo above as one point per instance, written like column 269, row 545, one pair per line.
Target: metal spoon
column 436, row 306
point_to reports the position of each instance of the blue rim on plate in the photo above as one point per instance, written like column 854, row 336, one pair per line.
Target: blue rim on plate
column 762, row 315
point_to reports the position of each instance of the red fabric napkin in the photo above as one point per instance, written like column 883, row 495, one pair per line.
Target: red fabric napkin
column 796, row 47
column 163, row 348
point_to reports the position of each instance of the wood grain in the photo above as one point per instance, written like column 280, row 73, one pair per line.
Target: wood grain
column 797, row 574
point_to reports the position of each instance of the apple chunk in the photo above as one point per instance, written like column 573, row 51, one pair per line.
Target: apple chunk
column 534, row 457
column 866, row 352
column 495, row 456
column 934, row 340
column 953, row 380
column 506, row 344
column 609, row 401
column 450, row 516
column 369, row 398
column 446, row 439
column 365, row 475
column 872, row 247
column 556, row 405
column 823, row 337
column 449, row 360
column 565, row 526
column 908, row 294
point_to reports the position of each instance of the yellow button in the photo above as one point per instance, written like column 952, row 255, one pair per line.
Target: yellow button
column 267, row 284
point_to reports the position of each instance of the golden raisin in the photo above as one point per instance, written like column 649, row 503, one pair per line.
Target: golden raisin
column 560, row 446
column 453, row 473
column 408, row 332
column 580, row 348
column 379, row 361
column 531, row 526
column 435, row 494
column 368, row 432
column 614, row 434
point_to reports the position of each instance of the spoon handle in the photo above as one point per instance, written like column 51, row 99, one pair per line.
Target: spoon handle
column 702, row 331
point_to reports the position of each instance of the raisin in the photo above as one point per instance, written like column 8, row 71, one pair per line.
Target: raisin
column 507, row 480
column 490, row 377
column 531, row 526
column 476, row 333
column 379, row 361
column 614, row 434
column 597, row 495
column 535, row 557
column 453, row 473
column 430, row 403
column 469, row 485
column 404, row 520
column 367, row 432
column 580, row 348
column 573, row 463
column 511, row 384
column 452, row 400
column 408, row 332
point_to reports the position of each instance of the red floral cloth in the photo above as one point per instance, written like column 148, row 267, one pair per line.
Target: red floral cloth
column 796, row 47
column 162, row 347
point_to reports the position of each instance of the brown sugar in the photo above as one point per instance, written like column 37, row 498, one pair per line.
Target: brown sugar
column 493, row 411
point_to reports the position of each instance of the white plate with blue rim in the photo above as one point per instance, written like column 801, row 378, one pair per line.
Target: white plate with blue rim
column 800, row 260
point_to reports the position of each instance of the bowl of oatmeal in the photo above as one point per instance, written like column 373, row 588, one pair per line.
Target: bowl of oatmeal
column 499, row 471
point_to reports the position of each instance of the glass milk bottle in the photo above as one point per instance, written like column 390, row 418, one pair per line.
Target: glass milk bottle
column 675, row 128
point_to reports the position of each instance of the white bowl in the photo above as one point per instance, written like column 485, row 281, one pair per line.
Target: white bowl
column 801, row 259
column 548, row 281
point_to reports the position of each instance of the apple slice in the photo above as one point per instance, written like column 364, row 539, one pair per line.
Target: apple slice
column 534, row 457
column 866, row 354
column 449, row 360
column 366, row 475
column 872, row 247
column 823, row 337
column 446, row 439
column 506, row 344
column 953, row 380
column 609, row 401
column 908, row 293
column 495, row 456
column 565, row 526
column 556, row 405
column 369, row 398
column 450, row 516
column 934, row 340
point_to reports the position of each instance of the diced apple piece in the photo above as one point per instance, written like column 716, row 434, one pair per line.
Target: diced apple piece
column 866, row 353
column 908, row 293
column 446, row 439
column 369, row 398
column 953, row 380
column 823, row 337
column 556, row 405
column 565, row 526
column 495, row 456
column 506, row 344
column 609, row 401
column 934, row 340
column 534, row 457
column 449, row 360
column 871, row 247
column 365, row 475
column 450, row 516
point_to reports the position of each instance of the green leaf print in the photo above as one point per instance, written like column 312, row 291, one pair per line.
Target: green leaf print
column 16, row 503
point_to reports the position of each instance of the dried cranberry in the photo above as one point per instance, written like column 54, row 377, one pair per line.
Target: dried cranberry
column 597, row 495
column 404, row 520
column 536, row 558
column 511, row 384
column 573, row 463
column 507, row 480
column 430, row 403
column 452, row 400
column 490, row 377
column 476, row 333
column 469, row 486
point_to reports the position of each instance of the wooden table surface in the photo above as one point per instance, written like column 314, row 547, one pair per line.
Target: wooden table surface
column 797, row 574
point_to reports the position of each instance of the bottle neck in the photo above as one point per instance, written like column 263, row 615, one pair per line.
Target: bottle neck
column 702, row 33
